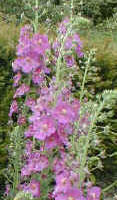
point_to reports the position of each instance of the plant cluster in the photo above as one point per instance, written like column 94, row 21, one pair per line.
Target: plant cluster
column 51, row 159
column 53, row 131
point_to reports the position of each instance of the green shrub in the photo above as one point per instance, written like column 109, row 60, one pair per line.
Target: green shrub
column 8, row 39
column 99, row 10
column 103, row 75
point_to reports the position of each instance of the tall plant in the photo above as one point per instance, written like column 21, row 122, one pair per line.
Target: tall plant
column 53, row 130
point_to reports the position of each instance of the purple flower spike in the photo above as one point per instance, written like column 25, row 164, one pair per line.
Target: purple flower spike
column 94, row 193
column 33, row 187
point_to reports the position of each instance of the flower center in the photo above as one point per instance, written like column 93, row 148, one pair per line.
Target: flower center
column 64, row 111
column 45, row 127
column 93, row 195
column 28, row 60
column 63, row 180
column 33, row 186
column 40, row 41
column 71, row 198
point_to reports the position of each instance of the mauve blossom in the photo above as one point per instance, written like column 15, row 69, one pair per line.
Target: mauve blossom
column 7, row 190
column 71, row 194
column 13, row 108
column 40, row 44
column 35, row 163
column 33, row 187
column 30, row 102
column 79, row 52
column 29, row 132
column 63, row 136
column 25, row 64
column 23, row 89
column 28, row 64
column 63, row 112
column 94, row 193
column 63, row 26
column 16, row 79
column 37, row 77
column 76, row 39
column 28, row 148
column 69, row 61
column 21, row 120
column 24, row 46
column 16, row 65
column 52, row 141
column 25, row 33
column 26, row 171
column 62, row 183
column 68, row 43
column 58, row 166
column 44, row 128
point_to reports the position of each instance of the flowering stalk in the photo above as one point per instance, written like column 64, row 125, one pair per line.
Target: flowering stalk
column 36, row 16
column 57, row 127
column 84, row 78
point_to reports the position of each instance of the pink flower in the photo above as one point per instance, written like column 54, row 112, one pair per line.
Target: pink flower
column 79, row 52
column 38, row 77
column 16, row 65
column 44, row 128
column 13, row 108
column 30, row 132
column 35, row 163
column 58, row 166
column 21, row 90
column 33, row 187
column 63, row 26
column 40, row 44
column 7, row 190
column 70, row 61
column 21, row 120
column 24, row 45
column 62, row 183
column 28, row 149
column 68, row 43
column 78, row 44
column 27, row 63
column 52, row 141
column 25, row 33
column 63, row 112
column 63, row 136
column 94, row 193
column 16, row 79
column 30, row 103
column 71, row 194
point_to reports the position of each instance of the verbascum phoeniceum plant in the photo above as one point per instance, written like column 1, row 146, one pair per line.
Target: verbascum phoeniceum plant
column 52, row 131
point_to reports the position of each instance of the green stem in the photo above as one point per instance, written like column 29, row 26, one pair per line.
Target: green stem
column 72, row 7
column 84, row 156
column 109, row 187
column 84, row 79
column 36, row 16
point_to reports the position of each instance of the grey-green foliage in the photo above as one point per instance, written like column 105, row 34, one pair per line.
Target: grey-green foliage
column 49, row 11
column 54, row 10
column 12, row 173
